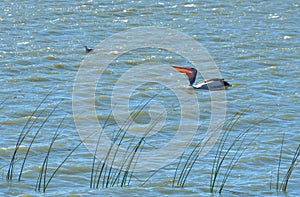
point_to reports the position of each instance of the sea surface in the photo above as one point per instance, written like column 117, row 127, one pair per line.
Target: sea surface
column 132, row 94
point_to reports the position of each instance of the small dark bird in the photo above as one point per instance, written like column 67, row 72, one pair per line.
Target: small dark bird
column 88, row 49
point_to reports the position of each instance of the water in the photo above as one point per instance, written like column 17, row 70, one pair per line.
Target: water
column 255, row 44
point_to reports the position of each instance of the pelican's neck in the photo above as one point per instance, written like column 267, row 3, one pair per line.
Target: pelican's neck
column 192, row 79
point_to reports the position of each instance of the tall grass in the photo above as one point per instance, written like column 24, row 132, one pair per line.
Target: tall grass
column 42, row 178
column 279, row 162
column 28, row 127
column 113, row 172
column 182, row 175
column 94, row 170
column 106, row 173
column 293, row 163
column 45, row 184
column 230, row 147
column 290, row 170
column 103, row 174
column 35, row 135
column 232, row 152
column 30, row 131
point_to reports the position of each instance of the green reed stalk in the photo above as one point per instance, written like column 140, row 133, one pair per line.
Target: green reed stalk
column 238, row 154
column 96, row 150
column 279, row 162
column 219, row 159
column 290, row 170
column 123, row 130
column 137, row 148
column 240, row 144
column 109, row 175
column 116, row 175
column 43, row 173
column 106, row 178
column 65, row 159
column 188, row 164
column 25, row 130
column 130, row 159
column 34, row 137
column 191, row 162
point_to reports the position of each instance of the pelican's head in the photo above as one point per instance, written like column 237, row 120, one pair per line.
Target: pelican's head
column 189, row 71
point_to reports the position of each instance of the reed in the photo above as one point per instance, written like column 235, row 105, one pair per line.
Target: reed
column 241, row 142
column 94, row 170
column 35, row 135
column 33, row 126
column 104, row 170
column 187, row 164
column 229, row 149
column 291, row 168
column 294, row 162
column 279, row 163
column 41, row 180
column 31, row 121
column 221, row 153
column 45, row 186
column 136, row 149
column 105, row 174
column 238, row 146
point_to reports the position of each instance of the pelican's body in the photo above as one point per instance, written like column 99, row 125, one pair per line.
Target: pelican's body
column 211, row 84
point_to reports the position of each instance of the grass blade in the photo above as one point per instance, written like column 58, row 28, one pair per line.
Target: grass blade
column 23, row 134
column 290, row 170
column 65, row 159
column 279, row 162
column 34, row 137
column 43, row 172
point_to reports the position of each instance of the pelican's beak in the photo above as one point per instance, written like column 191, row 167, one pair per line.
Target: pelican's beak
column 184, row 69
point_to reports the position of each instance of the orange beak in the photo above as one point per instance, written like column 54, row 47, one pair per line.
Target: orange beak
column 184, row 69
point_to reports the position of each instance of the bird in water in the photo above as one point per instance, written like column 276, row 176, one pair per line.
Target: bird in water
column 211, row 84
column 87, row 49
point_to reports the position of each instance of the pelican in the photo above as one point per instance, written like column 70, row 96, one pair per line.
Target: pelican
column 211, row 84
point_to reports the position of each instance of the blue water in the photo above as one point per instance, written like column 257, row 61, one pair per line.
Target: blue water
column 254, row 44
